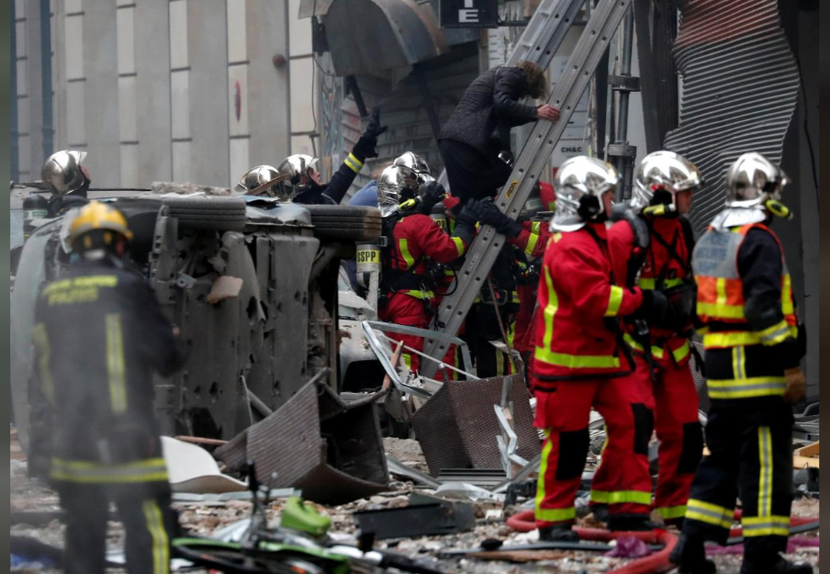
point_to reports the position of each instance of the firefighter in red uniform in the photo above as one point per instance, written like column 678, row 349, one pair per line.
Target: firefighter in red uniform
column 579, row 359
column 651, row 247
column 532, row 239
column 754, row 347
column 407, row 291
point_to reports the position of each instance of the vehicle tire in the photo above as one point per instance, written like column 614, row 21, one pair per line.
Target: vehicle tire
column 213, row 214
column 346, row 222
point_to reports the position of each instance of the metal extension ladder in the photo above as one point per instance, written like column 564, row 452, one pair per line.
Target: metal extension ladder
column 605, row 19
column 541, row 39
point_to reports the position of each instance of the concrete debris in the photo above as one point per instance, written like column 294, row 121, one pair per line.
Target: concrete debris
column 168, row 188
column 331, row 450
column 463, row 491
column 208, row 518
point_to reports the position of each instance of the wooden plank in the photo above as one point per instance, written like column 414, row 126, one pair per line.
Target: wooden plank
column 203, row 441
column 811, row 450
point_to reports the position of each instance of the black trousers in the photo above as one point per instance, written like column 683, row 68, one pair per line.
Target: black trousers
column 471, row 174
column 483, row 327
column 751, row 457
column 148, row 522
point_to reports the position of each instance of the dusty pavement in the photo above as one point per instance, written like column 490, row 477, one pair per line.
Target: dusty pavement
column 204, row 519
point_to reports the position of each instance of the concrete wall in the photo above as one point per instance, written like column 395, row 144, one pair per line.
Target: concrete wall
column 208, row 93
column 29, row 88
column 302, row 70
column 163, row 89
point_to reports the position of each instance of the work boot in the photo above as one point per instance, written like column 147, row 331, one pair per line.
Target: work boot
column 676, row 522
column 631, row 523
column 600, row 512
column 559, row 533
column 690, row 556
column 776, row 566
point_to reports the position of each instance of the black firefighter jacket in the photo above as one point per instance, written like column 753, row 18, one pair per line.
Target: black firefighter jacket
column 99, row 336
column 488, row 110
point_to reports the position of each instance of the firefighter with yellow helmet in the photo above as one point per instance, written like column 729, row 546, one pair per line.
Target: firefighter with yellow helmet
column 99, row 336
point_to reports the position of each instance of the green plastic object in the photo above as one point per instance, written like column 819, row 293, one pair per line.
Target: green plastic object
column 302, row 516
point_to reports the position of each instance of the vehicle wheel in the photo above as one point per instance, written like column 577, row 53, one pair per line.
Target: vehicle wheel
column 346, row 222
column 225, row 214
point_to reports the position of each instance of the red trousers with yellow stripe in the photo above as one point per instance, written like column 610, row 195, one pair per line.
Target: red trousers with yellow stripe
column 563, row 410
column 402, row 309
column 672, row 397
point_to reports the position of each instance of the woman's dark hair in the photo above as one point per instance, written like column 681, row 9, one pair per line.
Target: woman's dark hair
column 535, row 82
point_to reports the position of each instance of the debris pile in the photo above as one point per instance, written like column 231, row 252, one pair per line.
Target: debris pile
column 330, row 449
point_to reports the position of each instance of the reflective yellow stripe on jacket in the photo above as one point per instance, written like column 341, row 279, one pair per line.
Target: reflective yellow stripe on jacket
column 615, row 300
column 354, row 164
column 743, row 387
column 115, row 364
column 545, row 353
column 728, row 339
column 44, row 354
column 81, row 472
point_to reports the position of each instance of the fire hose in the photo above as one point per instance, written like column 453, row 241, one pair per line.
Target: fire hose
column 657, row 562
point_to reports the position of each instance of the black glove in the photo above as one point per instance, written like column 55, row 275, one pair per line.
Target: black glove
column 655, row 306
column 489, row 214
column 467, row 216
column 431, row 193
column 374, row 129
column 366, row 145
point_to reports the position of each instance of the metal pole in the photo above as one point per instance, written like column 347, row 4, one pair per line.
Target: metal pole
column 625, row 70
column 621, row 154
column 13, row 120
column 46, row 83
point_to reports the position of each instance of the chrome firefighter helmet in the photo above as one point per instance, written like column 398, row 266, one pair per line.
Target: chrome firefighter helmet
column 753, row 192
column 415, row 168
column 413, row 161
column 63, row 172
column 753, row 180
column 664, row 171
column 394, row 187
column 257, row 177
column 581, row 182
column 296, row 177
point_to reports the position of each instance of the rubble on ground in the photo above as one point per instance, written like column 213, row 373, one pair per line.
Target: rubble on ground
column 205, row 518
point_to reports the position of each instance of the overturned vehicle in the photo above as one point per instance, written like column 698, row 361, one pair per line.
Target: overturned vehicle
column 252, row 284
